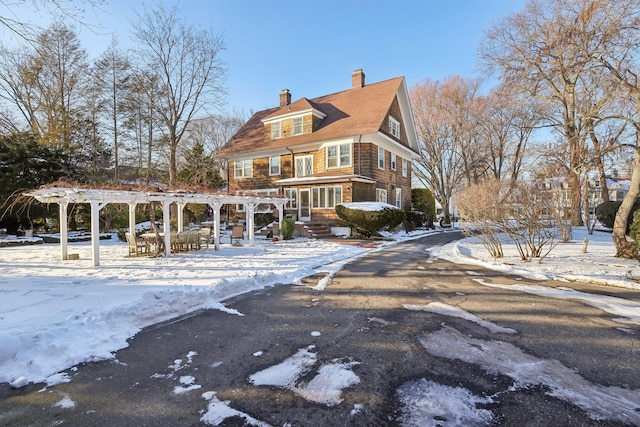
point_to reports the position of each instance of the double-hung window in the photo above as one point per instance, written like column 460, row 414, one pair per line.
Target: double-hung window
column 274, row 165
column 338, row 156
column 393, row 161
column 380, row 158
column 327, row 197
column 404, row 167
column 243, row 168
column 297, row 126
column 276, row 130
column 394, row 127
column 399, row 198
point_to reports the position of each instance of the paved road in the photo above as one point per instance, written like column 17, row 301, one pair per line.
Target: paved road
column 370, row 321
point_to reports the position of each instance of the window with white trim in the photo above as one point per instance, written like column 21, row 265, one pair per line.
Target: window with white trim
column 381, row 195
column 399, row 197
column 297, row 125
column 304, row 166
column 405, row 168
column 274, row 165
column 394, row 127
column 276, row 130
column 338, row 156
column 380, row 158
column 291, row 193
column 393, row 161
column 326, row 197
column 243, row 168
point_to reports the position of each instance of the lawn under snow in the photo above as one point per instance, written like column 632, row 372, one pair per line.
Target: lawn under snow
column 56, row 314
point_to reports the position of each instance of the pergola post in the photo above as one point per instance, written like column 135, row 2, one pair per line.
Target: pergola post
column 132, row 218
column 167, row 227
column 63, row 229
column 181, row 216
column 251, row 207
column 95, row 231
column 216, row 225
column 280, row 207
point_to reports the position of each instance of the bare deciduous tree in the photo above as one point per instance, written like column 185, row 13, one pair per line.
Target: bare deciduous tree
column 188, row 62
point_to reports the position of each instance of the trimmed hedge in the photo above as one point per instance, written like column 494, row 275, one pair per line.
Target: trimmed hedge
column 367, row 222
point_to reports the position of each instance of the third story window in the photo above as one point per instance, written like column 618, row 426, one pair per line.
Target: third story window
column 276, row 130
column 297, row 126
column 394, row 127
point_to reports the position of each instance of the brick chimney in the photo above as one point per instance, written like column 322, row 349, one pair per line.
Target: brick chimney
column 285, row 97
column 357, row 79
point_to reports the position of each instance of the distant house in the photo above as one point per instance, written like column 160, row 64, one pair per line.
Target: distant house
column 350, row 146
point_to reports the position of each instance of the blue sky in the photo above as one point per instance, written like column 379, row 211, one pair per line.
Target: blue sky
column 312, row 47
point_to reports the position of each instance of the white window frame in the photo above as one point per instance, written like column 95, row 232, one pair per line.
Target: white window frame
column 307, row 166
column 394, row 127
column 243, row 168
column 326, row 197
column 393, row 161
column 276, row 130
column 381, row 158
column 399, row 198
column 274, row 169
column 405, row 167
column 342, row 157
column 381, row 195
column 299, row 127
column 240, row 208
column 291, row 193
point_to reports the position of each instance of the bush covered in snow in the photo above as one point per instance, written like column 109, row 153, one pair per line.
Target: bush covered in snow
column 369, row 218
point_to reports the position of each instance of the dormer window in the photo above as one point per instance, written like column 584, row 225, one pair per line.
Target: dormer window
column 394, row 127
column 297, row 126
column 276, row 130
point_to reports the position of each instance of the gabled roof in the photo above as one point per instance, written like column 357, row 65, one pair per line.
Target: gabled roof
column 349, row 113
column 302, row 105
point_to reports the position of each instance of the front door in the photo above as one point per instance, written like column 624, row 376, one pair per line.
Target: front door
column 304, row 207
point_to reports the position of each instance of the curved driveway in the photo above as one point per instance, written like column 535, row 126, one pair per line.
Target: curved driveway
column 397, row 331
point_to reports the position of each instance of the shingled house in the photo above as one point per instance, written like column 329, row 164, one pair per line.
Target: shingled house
column 351, row 146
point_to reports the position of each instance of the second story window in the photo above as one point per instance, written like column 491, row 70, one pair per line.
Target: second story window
column 393, row 161
column 394, row 127
column 380, row 158
column 274, row 165
column 339, row 156
column 276, row 130
column 297, row 126
column 243, row 168
column 405, row 167
column 304, row 166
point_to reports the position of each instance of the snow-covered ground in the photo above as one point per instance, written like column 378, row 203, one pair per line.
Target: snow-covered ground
column 56, row 314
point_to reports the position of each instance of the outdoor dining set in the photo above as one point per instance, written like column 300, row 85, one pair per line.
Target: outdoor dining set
column 183, row 241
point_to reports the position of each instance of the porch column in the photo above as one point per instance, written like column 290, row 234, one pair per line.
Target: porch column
column 63, row 229
column 166, row 214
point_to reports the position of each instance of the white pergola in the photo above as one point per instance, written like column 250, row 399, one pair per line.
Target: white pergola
column 98, row 199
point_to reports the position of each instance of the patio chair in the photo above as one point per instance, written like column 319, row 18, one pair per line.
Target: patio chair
column 137, row 246
column 237, row 234
column 205, row 235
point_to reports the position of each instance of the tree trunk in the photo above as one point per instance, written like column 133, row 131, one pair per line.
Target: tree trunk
column 624, row 247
